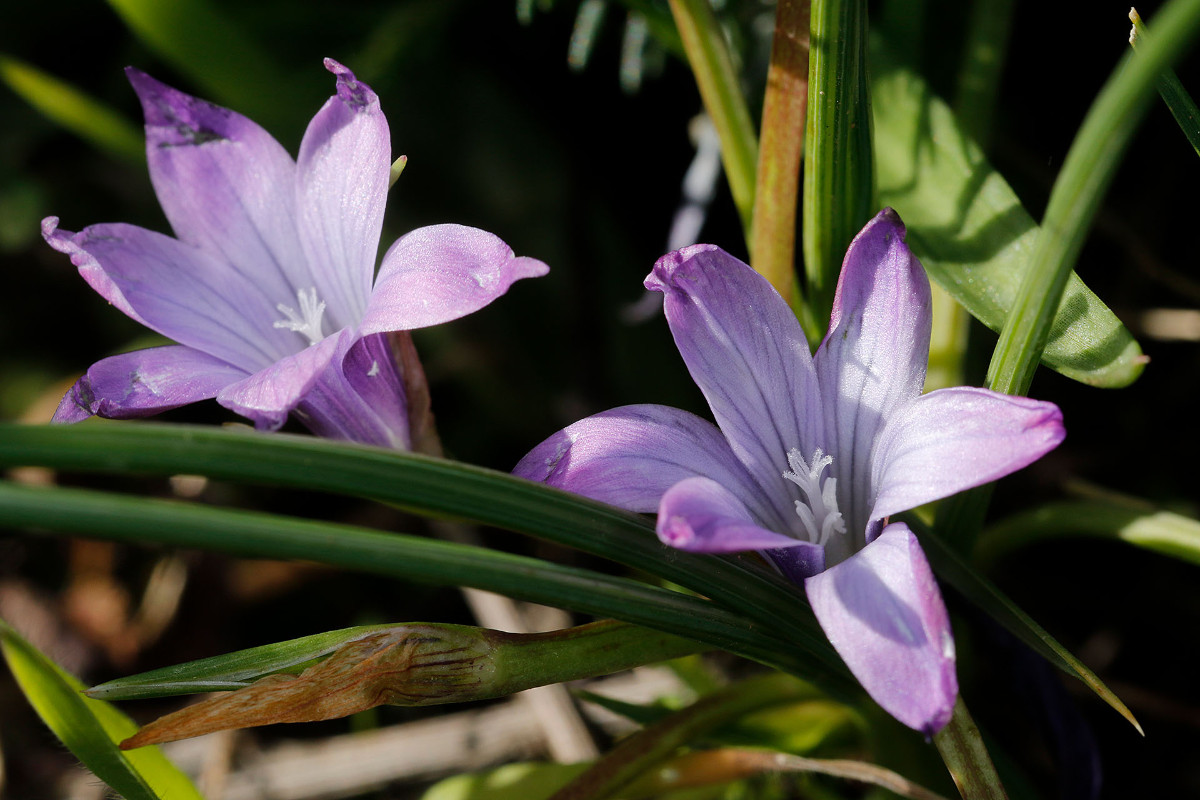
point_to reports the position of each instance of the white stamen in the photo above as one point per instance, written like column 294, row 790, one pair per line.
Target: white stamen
column 374, row 369
column 308, row 321
column 819, row 515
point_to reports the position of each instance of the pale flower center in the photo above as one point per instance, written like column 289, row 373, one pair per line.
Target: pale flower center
column 308, row 321
column 819, row 511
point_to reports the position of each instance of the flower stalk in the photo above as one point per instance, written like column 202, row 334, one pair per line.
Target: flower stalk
column 328, row 676
column 966, row 756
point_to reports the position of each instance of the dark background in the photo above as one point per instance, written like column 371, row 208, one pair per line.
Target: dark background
column 568, row 168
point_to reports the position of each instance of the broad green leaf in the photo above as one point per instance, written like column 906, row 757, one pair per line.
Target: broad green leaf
column 429, row 486
column 973, row 235
column 91, row 728
column 1161, row 531
column 141, row 520
column 951, row 568
column 208, row 45
column 79, row 113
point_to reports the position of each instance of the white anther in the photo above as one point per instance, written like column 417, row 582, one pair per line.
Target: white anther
column 308, row 321
column 818, row 512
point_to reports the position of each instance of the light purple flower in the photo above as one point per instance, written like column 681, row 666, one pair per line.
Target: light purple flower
column 813, row 454
column 269, row 287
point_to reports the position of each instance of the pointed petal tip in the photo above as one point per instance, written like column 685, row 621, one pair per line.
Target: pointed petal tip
column 350, row 90
column 666, row 267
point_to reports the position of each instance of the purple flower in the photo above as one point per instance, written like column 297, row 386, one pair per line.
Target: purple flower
column 813, row 454
column 269, row 287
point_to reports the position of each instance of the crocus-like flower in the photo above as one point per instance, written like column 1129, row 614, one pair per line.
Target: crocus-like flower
column 813, row 454
column 269, row 287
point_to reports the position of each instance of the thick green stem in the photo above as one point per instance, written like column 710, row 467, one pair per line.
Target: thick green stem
column 838, row 172
column 712, row 65
column 962, row 748
column 780, row 151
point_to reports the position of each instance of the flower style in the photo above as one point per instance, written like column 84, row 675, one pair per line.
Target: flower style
column 268, row 288
column 813, row 453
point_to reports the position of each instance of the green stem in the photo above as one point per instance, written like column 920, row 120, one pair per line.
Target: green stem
column 712, row 66
column 781, row 149
column 1087, row 171
column 838, row 171
column 523, row 661
column 646, row 748
column 966, row 756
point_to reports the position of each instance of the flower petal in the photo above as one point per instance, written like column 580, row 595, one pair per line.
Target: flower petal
column 630, row 457
column 178, row 290
column 226, row 186
column 873, row 358
column 269, row 395
column 360, row 397
column 954, row 439
column 702, row 516
column 747, row 353
column 883, row 613
column 442, row 272
column 344, row 164
column 145, row 382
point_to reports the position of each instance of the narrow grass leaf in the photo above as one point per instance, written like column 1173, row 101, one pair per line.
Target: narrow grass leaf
column 244, row 533
column 951, row 568
column 78, row 112
column 428, row 486
column 1163, row 532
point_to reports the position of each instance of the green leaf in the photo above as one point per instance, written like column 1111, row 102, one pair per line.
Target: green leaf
column 141, row 520
column 972, row 233
column 79, row 113
column 838, row 184
column 432, row 487
column 951, row 568
column 91, row 728
column 1161, row 531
